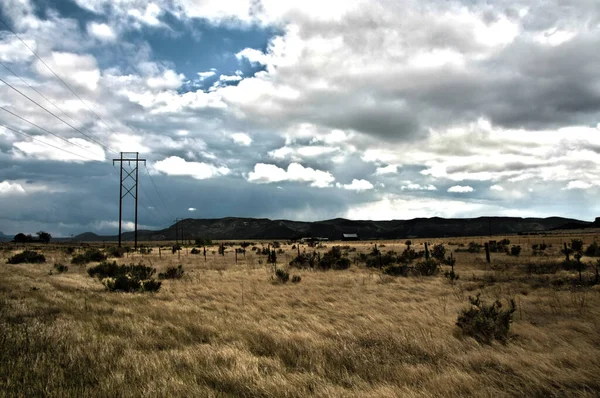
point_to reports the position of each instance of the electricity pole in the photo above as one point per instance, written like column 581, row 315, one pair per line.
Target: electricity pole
column 128, row 190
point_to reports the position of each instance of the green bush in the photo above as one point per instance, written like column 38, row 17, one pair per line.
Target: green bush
column 172, row 273
column 89, row 256
column 296, row 279
column 282, row 276
column 515, row 250
column 427, row 268
column 439, row 252
column 115, row 251
column 27, row 256
column 60, row 268
column 334, row 259
column 396, row 270
column 305, row 260
column 593, row 250
column 486, row 322
column 125, row 278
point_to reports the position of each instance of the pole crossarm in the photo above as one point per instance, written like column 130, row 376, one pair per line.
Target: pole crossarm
column 129, row 189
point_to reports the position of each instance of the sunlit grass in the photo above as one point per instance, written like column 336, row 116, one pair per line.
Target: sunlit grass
column 228, row 330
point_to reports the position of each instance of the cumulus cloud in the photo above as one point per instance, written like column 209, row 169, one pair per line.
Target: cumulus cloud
column 253, row 56
column 174, row 165
column 101, row 31
column 496, row 188
column 357, row 185
column 577, row 184
column 81, row 70
column 389, row 169
column 192, row 209
column 242, row 139
column 267, row 173
column 10, row 188
column 411, row 186
column 169, row 80
column 460, row 188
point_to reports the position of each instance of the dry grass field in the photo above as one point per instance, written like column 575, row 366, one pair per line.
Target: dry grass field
column 229, row 330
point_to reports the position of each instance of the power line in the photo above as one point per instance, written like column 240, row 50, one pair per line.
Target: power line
column 79, row 98
column 55, row 75
column 53, row 114
column 37, row 91
column 158, row 192
column 43, row 129
column 45, row 143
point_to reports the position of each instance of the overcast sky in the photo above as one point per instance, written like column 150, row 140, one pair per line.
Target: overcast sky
column 298, row 109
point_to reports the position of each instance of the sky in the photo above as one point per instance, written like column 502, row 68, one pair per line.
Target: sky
column 299, row 109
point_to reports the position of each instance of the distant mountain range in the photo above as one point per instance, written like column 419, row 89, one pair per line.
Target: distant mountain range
column 5, row 238
column 263, row 228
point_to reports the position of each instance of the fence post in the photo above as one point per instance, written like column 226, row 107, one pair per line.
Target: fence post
column 487, row 252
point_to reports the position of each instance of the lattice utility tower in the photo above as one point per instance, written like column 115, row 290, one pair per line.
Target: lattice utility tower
column 128, row 190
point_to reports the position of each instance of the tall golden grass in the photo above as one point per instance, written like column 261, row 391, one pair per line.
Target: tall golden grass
column 229, row 330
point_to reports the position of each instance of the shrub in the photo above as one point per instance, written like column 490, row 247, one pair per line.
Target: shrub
column 486, row 322
column 88, row 256
column 27, row 256
column 451, row 276
column 103, row 270
column 60, row 268
column 145, row 250
column 115, row 251
column 474, row 247
column 577, row 245
column 427, row 268
column 439, row 252
column 296, row 279
column 172, row 273
column 515, row 250
column 334, row 259
column 125, row 278
column 195, row 251
column 203, row 242
column 305, row 260
column 397, row 270
column 593, row 250
column 175, row 248
column 282, row 276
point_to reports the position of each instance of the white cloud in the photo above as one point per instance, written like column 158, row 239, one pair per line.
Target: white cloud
column 393, row 207
column 101, row 31
column 577, row 184
column 169, row 80
column 47, row 148
column 496, row 188
column 177, row 166
column 10, row 188
column 267, row 173
column 389, row 169
column 410, row 186
column 192, row 209
column 230, row 78
column 460, row 188
column 253, row 56
column 357, row 185
column 12, row 50
column 149, row 16
column 74, row 68
column 206, row 75
column 242, row 139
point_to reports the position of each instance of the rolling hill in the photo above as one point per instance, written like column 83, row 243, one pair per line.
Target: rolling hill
column 264, row 228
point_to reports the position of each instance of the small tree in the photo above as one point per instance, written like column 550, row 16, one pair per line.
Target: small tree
column 22, row 238
column 439, row 252
column 44, row 236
